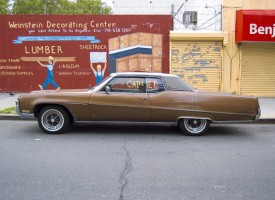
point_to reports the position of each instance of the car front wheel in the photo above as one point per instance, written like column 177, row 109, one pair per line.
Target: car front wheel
column 53, row 119
column 194, row 127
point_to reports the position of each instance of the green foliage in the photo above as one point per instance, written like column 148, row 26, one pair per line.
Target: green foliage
column 10, row 110
column 60, row 7
column 4, row 6
column 91, row 7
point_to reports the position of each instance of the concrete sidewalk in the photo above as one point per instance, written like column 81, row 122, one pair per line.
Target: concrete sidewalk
column 267, row 106
column 7, row 100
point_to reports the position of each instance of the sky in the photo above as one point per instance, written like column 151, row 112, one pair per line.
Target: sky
column 108, row 2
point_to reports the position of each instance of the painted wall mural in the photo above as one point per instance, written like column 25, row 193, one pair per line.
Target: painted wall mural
column 78, row 51
column 136, row 52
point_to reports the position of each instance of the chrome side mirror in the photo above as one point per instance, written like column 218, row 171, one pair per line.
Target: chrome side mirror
column 107, row 89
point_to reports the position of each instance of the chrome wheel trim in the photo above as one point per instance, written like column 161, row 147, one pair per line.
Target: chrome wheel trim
column 52, row 120
column 195, row 126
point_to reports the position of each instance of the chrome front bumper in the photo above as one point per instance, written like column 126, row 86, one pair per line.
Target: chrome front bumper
column 22, row 114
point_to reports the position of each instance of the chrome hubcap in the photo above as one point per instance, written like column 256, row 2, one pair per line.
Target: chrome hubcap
column 195, row 125
column 52, row 120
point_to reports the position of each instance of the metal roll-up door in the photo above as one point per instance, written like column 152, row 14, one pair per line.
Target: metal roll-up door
column 199, row 63
column 258, row 69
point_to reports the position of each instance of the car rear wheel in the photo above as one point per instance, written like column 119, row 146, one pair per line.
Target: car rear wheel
column 194, row 127
column 53, row 119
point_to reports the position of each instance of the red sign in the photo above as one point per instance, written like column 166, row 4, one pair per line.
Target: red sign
column 78, row 51
column 255, row 26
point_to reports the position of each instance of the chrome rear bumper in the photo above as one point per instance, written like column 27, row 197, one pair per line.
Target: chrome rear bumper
column 258, row 114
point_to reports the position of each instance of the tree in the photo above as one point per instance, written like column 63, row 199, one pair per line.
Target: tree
column 91, row 7
column 60, row 7
column 27, row 7
column 4, row 6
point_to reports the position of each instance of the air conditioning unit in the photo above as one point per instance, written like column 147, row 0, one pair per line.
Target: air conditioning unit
column 190, row 17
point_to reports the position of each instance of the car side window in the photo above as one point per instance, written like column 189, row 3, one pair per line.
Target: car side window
column 154, row 85
column 128, row 84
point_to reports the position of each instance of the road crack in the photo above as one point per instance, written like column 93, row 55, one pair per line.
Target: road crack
column 123, row 179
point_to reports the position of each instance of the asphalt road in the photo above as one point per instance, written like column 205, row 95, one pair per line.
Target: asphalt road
column 136, row 162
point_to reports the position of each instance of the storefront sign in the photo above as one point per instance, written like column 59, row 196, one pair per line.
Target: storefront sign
column 255, row 26
column 78, row 51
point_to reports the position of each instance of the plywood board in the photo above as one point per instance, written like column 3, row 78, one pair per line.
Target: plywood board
column 157, row 40
column 134, row 39
column 156, row 67
column 145, row 63
column 113, row 43
column 124, row 41
column 157, row 52
column 133, row 63
column 145, row 39
column 122, row 64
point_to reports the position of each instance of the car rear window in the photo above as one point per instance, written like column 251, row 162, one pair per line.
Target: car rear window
column 174, row 83
column 154, row 85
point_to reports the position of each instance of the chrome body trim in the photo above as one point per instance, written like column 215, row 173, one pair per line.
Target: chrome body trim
column 258, row 114
column 27, row 115
column 76, row 103
column 218, row 122
column 190, row 117
column 160, row 123
column 232, row 122
column 17, row 107
column 21, row 114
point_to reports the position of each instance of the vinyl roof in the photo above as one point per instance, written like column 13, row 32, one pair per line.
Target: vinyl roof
column 140, row 74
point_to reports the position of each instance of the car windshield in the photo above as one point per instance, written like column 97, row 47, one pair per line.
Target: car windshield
column 101, row 84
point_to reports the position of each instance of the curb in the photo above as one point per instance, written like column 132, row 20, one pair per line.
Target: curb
column 265, row 121
column 17, row 117
column 12, row 117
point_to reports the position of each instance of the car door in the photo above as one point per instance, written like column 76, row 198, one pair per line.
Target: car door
column 126, row 101
column 167, row 105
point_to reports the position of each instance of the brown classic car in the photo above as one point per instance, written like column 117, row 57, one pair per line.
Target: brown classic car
column 138, row 97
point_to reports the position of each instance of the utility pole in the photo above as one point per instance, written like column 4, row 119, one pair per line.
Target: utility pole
column 172, row 13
